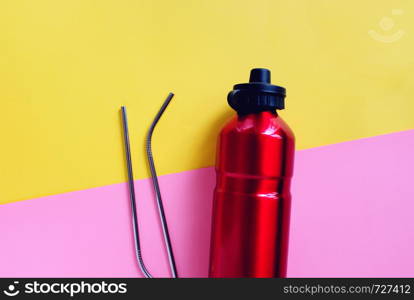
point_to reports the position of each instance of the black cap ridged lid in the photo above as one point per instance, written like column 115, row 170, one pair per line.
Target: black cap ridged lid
column 257, row 95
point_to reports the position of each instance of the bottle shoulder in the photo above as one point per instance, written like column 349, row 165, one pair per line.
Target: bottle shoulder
column 266, row 123
column 259, row 145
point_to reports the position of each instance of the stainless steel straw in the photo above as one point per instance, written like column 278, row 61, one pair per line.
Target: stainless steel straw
column 157, row 191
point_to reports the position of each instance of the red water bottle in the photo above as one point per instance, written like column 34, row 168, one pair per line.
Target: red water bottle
column 252, row 198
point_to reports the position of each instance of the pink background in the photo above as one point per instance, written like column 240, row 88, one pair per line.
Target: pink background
column 352, row 216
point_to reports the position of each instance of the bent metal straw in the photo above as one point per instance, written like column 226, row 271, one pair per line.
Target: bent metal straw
column 154, row 178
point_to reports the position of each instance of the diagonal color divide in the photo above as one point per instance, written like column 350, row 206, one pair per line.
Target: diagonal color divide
column 352, row 216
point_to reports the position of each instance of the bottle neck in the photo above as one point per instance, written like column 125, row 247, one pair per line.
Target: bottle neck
column 270, row 113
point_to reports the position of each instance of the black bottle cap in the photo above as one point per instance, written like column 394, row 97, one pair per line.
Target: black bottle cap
column 257, row 95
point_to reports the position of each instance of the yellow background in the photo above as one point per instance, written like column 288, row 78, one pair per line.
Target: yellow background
column 67, row 66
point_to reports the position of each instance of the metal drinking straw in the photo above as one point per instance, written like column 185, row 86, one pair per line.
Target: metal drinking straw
column 154, row 177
